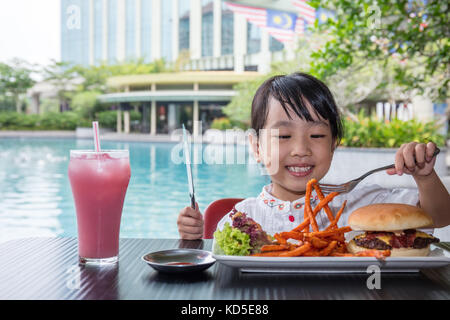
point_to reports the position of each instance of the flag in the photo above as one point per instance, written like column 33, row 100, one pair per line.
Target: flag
column 281, row 20
column 279, row 24
column 305, row 10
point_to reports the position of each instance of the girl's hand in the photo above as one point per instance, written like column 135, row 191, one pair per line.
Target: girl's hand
column 190, row 223
column 414, row 158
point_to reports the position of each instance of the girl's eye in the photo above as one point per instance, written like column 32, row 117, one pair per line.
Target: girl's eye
column 317, row 135
column 284, row 137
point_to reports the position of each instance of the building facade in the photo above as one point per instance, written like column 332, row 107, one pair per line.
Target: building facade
column 211, row 35
column 218, row 49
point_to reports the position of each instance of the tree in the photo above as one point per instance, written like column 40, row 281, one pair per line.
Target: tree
column 84, row 103
column 95, row 77
column 15, row 80
column 63, row 78
column 416, row 32
column 349, row 86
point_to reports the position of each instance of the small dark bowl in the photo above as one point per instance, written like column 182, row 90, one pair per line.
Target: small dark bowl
column 179, row 260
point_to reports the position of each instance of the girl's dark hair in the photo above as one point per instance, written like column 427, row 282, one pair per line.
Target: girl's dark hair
column 293, row 92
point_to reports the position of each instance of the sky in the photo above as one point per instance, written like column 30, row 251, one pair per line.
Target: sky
column 30, row 30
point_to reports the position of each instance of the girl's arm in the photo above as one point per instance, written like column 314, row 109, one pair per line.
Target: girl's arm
column 434, row 198
column 416, row 159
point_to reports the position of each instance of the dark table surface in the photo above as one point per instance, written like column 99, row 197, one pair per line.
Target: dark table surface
column 47, row 268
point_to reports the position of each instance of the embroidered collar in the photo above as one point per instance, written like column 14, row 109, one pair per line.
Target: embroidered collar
column 268, row 199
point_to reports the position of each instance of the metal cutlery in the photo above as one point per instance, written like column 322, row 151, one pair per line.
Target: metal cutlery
column 350, row 185
column 187, row 159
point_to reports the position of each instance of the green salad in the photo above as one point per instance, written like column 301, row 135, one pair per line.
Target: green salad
column 233, row 241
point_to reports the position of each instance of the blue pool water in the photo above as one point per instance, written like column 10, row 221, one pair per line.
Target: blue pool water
column 36, row 199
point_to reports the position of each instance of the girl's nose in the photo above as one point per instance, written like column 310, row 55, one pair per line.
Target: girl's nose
column 301, row 149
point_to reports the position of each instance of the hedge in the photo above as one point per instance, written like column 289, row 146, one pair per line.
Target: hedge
column 46, row 121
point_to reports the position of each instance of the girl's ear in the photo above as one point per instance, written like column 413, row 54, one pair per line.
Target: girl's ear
column 334, row 145
column 253, row 141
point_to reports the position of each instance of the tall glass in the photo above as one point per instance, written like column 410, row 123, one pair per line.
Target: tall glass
column 99, row 182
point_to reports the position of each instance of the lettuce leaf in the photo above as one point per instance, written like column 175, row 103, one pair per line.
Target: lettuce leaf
column 232, row 241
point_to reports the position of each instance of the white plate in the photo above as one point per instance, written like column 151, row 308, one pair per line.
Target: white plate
column 437, row 258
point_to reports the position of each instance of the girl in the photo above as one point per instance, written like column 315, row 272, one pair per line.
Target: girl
column 297, row 127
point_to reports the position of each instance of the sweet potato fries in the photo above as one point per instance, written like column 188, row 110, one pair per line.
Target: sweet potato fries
column 327, row 242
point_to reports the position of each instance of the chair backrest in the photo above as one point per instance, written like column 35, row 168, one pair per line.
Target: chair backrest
column 214, row 212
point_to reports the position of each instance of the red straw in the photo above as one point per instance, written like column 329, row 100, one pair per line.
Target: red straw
column 96, row 136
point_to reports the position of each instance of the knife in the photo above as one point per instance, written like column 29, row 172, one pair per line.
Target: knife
column 187, row 160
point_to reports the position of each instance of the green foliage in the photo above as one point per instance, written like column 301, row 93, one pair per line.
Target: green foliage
column 7, row 103
column 15, row 79
column 221, row 124
column 239, row 108
column 84, row 103
column 95, row 77
column 46, row 121
column 225, row 123
column 369, row 132
column 108, row 119
column 59, row 121
column 49, row 105
column 414, row 33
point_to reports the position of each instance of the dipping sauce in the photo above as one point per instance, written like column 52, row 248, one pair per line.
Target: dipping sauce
column 179, row 264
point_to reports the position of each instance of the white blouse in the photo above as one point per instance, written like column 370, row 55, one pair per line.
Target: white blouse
column 275, row 215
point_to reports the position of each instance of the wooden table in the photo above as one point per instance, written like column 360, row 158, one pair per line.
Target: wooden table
column 47, row 268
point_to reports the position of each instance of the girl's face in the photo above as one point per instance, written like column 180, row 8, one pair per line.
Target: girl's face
column 293, row 150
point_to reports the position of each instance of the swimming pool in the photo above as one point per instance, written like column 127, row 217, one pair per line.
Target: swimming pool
column 36, row 199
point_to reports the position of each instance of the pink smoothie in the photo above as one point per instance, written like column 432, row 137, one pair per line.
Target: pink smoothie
column 99, row 183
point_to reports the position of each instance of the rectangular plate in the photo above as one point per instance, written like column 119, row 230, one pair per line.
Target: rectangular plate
column 438, row 257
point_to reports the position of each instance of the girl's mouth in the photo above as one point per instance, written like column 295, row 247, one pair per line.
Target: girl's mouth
column 300, row 171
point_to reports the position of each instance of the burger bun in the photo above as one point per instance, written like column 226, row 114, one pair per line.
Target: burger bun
column 388, row 217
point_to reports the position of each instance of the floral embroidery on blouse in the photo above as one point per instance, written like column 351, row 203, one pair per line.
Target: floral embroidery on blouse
column 265, row 196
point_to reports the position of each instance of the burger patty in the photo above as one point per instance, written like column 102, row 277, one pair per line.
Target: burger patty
column 420, row 243
column 407, row 239
column 372, row 244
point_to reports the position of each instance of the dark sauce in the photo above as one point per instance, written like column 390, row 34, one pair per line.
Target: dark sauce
column 179, row 264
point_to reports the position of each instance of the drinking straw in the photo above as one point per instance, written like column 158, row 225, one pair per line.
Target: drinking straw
column 96, row 136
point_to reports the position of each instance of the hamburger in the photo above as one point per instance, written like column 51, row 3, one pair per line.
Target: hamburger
column 391, row 226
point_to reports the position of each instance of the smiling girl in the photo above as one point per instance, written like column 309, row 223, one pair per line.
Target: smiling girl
column 296, row 129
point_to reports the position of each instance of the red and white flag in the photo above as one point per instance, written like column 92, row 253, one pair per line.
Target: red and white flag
column 259, row 16
column 305, row 10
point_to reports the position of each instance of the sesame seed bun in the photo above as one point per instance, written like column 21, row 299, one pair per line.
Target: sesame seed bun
column 388, row 217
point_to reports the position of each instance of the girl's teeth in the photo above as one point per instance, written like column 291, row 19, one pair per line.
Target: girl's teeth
column 299, row 169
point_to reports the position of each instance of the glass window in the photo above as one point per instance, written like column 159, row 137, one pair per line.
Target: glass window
column 146, row 30
column 253, row 38
column 75, row 31
column 112, row 31
column 275, row 45
column 130, row 29
column 183, row 24
column 207, row 28
column 227, row 30
column 66, row 25
column 166, row 30
column 98, row 31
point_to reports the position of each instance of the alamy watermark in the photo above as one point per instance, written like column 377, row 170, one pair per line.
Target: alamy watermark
column 230, row 147
column 73, row 21
column 73, row 280
column 374, row 280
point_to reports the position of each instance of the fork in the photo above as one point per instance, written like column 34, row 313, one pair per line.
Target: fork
column 350, row 185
